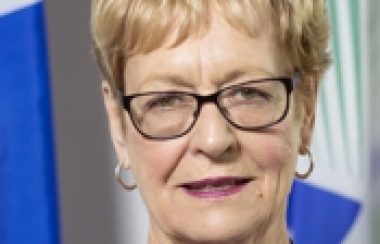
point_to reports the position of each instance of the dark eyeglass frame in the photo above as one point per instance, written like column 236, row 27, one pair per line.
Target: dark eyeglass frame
column 288, row 82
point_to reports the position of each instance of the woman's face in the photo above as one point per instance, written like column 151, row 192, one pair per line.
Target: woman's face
column 214, row 151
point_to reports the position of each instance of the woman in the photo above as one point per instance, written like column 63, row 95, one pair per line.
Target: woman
column 209, row 103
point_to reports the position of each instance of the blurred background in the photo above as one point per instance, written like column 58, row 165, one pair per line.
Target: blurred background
column 92, row 208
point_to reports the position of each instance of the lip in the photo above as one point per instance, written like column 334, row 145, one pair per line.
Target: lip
column 215, row 187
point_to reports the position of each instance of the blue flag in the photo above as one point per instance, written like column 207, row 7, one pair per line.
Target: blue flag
column 28, row 195
column 318, row 216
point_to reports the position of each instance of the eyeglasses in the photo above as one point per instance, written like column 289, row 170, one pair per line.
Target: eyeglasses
column 248, row 106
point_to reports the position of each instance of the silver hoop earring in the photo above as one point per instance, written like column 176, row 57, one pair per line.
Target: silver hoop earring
column 305, row 175
column 128, row 187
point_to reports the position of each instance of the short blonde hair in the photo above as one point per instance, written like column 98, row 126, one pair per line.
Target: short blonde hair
column 123, row 28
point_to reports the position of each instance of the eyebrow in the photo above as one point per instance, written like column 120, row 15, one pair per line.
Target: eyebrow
column 250, row 70
column 172, row 79
column 179, row 81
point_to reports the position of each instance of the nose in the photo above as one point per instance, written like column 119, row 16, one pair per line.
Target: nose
column 212, row 136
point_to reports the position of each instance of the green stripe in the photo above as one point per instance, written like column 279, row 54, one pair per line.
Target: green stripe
column 356, row 34
column 327, row 128
column 339, row 75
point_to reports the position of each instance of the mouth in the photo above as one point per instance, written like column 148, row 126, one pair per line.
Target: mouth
column 215, row 187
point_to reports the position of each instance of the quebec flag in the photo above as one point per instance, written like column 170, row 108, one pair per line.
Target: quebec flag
column 28, row 196
column 331, row 207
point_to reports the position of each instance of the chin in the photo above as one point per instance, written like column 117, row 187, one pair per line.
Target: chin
column 218, row 236
column 221, row 227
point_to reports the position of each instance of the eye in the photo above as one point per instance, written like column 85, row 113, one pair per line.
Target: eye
column 248, row 93
column 163, row 101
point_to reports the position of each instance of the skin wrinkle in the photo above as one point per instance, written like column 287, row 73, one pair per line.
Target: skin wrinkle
column 266, row 225
column 200, row 63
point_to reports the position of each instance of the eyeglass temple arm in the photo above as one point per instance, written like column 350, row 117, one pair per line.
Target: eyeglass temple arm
column 296, row 78
column 119, row 95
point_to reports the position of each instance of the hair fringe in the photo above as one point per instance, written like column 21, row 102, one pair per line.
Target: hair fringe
column 123, row 28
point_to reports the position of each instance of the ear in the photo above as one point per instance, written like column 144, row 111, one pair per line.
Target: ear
column 307, row 131
column 308, row 119
column 116, row 123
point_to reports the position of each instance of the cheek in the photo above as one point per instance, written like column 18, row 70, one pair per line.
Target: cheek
column 270, row 151
column 273, row 155
column 153, row 161
column 276, row 154
column 278, row 148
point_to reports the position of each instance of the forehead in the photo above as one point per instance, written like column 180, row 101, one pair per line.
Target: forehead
column 209, row 58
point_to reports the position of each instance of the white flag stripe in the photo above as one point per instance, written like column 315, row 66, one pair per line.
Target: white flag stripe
column 364, row 60
column 8, row 6
column 326, row 174
column 339, row 166
column 334, row 112
column 349, row 82
column 320, row 144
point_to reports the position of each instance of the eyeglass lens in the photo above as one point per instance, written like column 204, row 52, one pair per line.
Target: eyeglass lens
column 169, row 114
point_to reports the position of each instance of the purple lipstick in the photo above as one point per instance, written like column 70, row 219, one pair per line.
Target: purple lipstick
column 215, row 187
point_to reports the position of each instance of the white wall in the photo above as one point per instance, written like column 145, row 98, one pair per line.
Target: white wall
column 84, row 156
column 94, row 208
